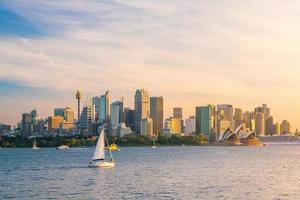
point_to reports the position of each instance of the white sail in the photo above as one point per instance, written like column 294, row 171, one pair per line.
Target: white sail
column 100, row 147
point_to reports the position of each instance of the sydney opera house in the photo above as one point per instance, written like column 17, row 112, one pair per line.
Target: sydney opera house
column 240, row 135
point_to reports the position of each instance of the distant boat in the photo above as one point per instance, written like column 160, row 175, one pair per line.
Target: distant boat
column 98, row 159
column 62, row 147
column 154, row 145
column 34, row 147
column 113, row 147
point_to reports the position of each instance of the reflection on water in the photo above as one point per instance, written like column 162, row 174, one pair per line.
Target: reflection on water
column 271, row 172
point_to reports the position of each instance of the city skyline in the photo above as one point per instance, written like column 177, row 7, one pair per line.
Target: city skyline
column 239, row 53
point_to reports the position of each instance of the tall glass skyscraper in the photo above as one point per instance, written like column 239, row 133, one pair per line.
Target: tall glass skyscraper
column 104, row 108
column 205, row 120
column 116, row 114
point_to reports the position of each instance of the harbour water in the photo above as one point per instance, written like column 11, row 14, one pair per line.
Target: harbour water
column 270, row 172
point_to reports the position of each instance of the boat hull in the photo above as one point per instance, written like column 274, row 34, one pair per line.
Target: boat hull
column 102, row 164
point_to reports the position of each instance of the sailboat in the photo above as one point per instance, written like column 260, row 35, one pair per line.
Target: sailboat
column 98, row 159
column 34, row 147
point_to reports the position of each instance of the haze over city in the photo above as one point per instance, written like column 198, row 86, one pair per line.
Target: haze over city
column 191, row 53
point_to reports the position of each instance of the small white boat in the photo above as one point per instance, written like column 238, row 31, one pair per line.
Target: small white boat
column 99, row 154
column 154, row 145
column 34, row 147
column 62, row 147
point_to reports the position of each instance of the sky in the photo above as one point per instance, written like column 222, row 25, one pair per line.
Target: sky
column 192, row 53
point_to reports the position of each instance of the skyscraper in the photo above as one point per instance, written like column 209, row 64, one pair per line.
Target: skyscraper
column 104, row 108
column 177, row 112
column 238, row 117
column 142, row 108
column 228, row 113
column 205, row 120
column 157, row 114
column 96, row 103
column 116, row 113
column 247, row 119
column 129, row 117
column 27, row 125
column 87, row 119
column 260, row 123
column 276, row 129
column 269, row 126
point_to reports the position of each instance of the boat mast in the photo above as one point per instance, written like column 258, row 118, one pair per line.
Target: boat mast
column 108, row 147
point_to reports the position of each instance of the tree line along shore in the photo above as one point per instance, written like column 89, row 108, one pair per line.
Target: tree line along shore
column 81, row 141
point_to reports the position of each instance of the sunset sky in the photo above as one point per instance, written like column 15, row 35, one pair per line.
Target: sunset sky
column 192, row 53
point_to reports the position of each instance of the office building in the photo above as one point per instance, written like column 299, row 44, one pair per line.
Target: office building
column 97, row 104
column 116, row 113
column 59, row 112
column 238, row 117
column 260, row 123
column 276, row 129
column 87, row 119
column 141, row 107
column 228, row 113
column 177, row 113
column 205, row 120
column 147, row 127
column 157, row 114
column 190, row 125
column 55, row 122
column 104, row 108
column 129, row 118
column 175, row 125
column 27, row 125
column 247, row 119
column 269, row 126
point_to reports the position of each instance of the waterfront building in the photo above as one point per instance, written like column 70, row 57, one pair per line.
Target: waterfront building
column 205, row 120
column 59, row 112
column 276, row 129
column 260, row 123
column 190, row 125
column 129, row 118
column 104, row 108
column 228, row 113
column 87, row 119
column 55, row 122
column 27, row 125
column 175, row 125
column 285, row 127
column 147, row 127
column 157, row 114
column 177, row 112
column 269, row 126
column 116, row 113
column 142, row 108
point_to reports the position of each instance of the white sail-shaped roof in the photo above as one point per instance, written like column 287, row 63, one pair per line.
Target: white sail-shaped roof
column 100, row 147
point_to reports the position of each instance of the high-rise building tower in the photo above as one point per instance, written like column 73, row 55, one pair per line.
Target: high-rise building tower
column 116, row 113
column 238, row 117
column 27, row 125
column 96, row 103
column 228, row 113
column 285, row 127
column 157, row 114
column 260, row 123
column 87, row 119
column 78, row 97
column 269, row 126
column 247, row 119
column 142, row 108
column 105, row 108
column 205, row 120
